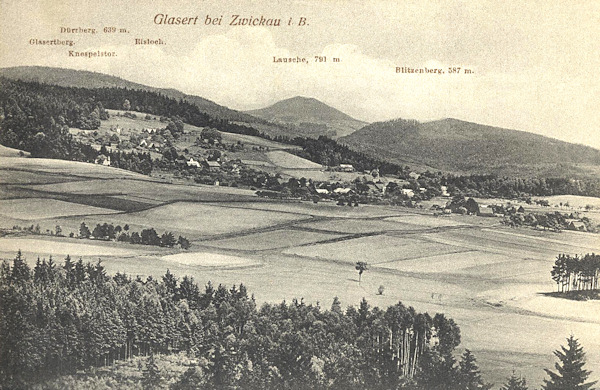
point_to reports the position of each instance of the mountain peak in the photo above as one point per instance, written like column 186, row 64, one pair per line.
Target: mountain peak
column 311, row 116
column 301, row 109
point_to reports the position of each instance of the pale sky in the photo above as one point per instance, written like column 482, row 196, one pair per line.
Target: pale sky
column 535, row 63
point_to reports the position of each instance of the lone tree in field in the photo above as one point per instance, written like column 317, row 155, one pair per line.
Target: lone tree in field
column 361, row 266
column 569, row 374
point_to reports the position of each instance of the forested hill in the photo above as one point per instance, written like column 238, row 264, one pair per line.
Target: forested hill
column 310, row 116
column 35, row 117
column 84, row 79
column 464, row 147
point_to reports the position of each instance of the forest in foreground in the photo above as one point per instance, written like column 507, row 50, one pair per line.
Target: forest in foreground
column 60, row 319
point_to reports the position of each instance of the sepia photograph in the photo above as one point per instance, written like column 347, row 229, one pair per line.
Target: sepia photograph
column 298, row 195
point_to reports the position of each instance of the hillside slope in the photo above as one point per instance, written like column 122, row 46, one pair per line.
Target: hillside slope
column 465, row 147
column 86, row 79
column 310, row 117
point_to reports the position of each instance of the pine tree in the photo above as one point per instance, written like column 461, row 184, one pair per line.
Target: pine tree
column 84, row 231
column 469, row 375
column 569, row 374
column 515, row 383
column 151, row 378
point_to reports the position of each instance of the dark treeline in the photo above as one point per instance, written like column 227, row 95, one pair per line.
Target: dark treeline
column 515, row 187
column 36, row 118
column 576, row 273
column 149, row 236
column 57, row 319
column 135, row 162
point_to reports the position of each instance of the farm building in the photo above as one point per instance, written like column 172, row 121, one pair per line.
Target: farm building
column 486, row 212
column 103, row 160
column 212, row 165
column 445, row 191
column 414, row 175
column 322, row 191
column 576, row 225
column 408, row 192
column 193, row 163
column 342, row 190
column 346, row 168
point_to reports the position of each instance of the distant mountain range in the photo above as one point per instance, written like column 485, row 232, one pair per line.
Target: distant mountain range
column 310, row 117
column 449, row 145
column 463, row 147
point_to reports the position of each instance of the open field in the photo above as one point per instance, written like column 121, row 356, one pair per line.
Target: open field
column 416, row 219
column 352, row 226
column 34, row 209
column 256, row 141
column 205, row 259
column 8, row 177
column 272, row 240
column 572, row 200
column 67, row 168
column 373, row 249
column 10, row 152
column 489, row 278
column 61, row 247
column 321, row 209
column 455, row 262
column 203, row 219
column 290, row 161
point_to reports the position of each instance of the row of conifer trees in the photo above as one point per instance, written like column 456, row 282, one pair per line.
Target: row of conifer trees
column 576, row 273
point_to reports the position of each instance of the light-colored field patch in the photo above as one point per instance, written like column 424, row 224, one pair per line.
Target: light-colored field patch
column 89, row 187
column 10, row 152
column 8, row 177
column 353, row 226
column 204, row 219
column 426, row 220
column 290, row 161
column 272, row 240
column 519, row 269
column 10, row 246
column 498, row 243
column 572, row 200
column 447, row 263
column 68, row 167
column 147, row 190
column 36, row 208
column 323, row 209
column 373, row 249
column 204, row 259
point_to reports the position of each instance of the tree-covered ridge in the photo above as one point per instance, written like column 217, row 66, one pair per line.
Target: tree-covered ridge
column 36, row 119
column 61, row 318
